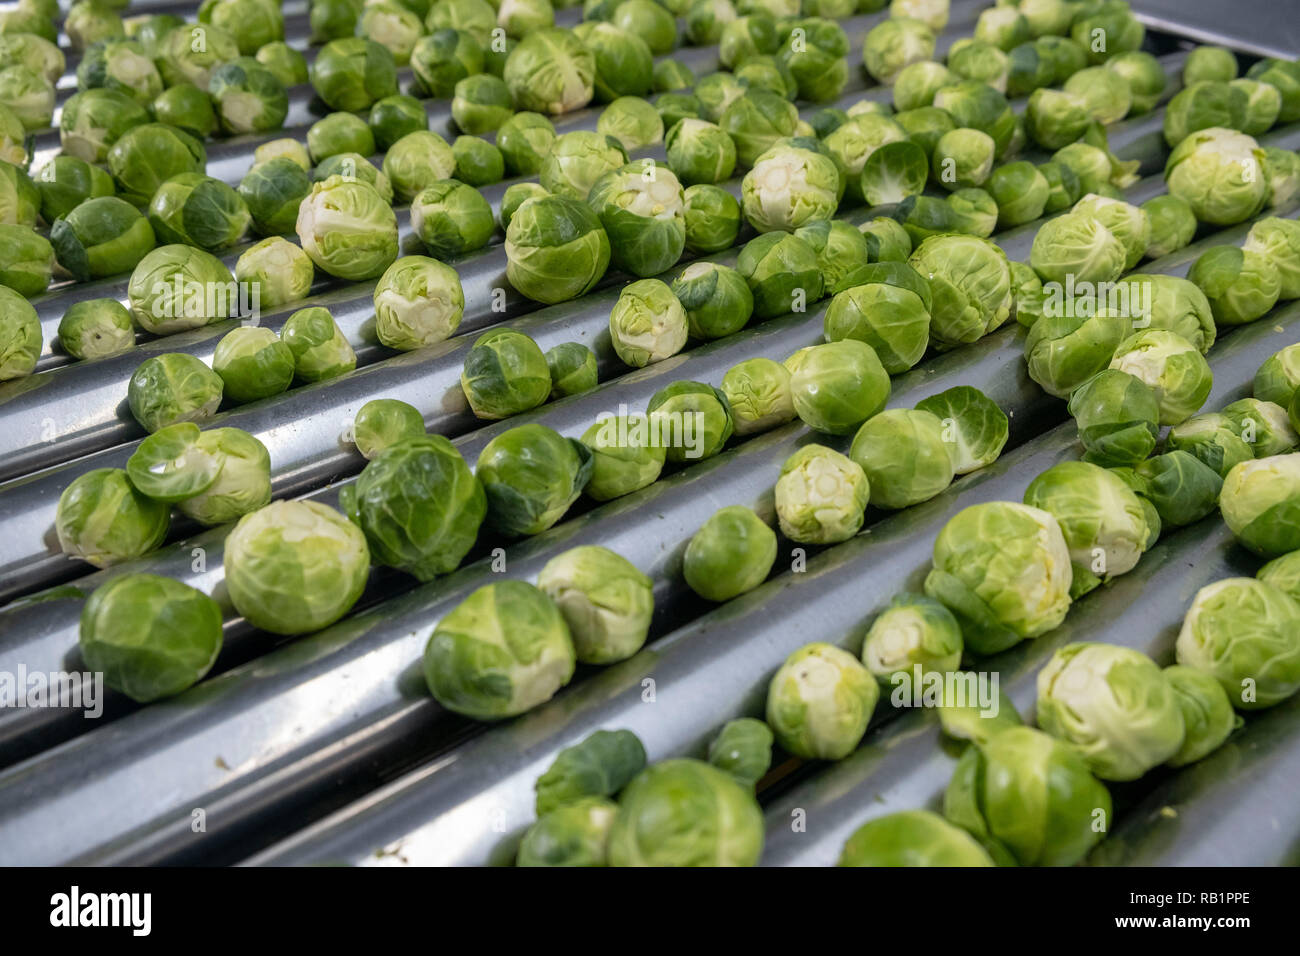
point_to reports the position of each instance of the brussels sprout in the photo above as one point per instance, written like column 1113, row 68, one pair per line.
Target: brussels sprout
column 598, row 766
column 1021, row 192
column 974, row 427
column 150, row 636
column 1262, row 104
column 253, row 364
column 1208, row 718
column 347, row 228
column 556, row 249
column 197, row 210
column 789, row 187
column 13, row 140
column 624, row 65
column 384, row 422
column 1283, row 573
column 573, row 369
column 912, row 838
column 1090, row 165
column 740, row 39
column 714, row 93
column 28, row 95
column 782, row 271
column 531, row 476
column 755, row 121
column 1259, row 504
column 391, row 118
column 417, row 161
column 973, row 212
column 1173, row 304
column 692, row 420
column 551, row 72
column 333, row 19
column 978, row 106
column 1104, row 94
column 320, row 350
column 768, row 73
column 190, row 52
column 649, row 322
column 827, row 120
column 481, row 104
column 700, row 152
column 706, row 19
column 178, row 287
column 279, row 272
column 295, row 566
column 514, row 197
column 1243, row 633
column 686, row 813
column 418, row 302
column 820, row 496
column 626, row 456
column 820, row 701
column 476, row 17
column 641, row 209
column 20, row 335
column 971, row 283
column 971, row 59
column 173, row 387
column 575, row 834
column 88, row 22
column 525, row 140
column 1203, row 105
column 731, row 553
column 1175, row 370
column 286, row 148
column 743, row 748
column 1262, row 425
column 234, row 473
column 478, row 162
column 578, row 159
column 95, row 328
column 1027, row 295
column 649, row 21
column 286, row 64
column 963, row 157
column 892, row 320
column 248, row 97
column 443, row 59
column 452, row 219
column 1211, row 439
column 1278, row 377
column 716, row 299
column 1077, row 245
column 352, row 73
column 675, row 107
column 917, row 83
column 35, row 52
column 102, row 519
column 1209, row 63
column 1173, row 225
column 915, row 635
column 837, row 386
column 187, row 108
column 274, row 191
column 1241, row 284
column 146, row 156
column 1063, row 187
column 1219, row 174
column 26, row 260
column 1182, row 488
column 923, row 126
column 893, row 44
column 606, row 602
column 392, row 26
column 758, row 391
column 998, row 795
column 1003, row 569
column 1126, row 222
column 1144, row 76
column 1284, row 75
column 904, row 455
column 712, row 219
column 1278, row 241
column 855, row 141
column 815, row 50
column 842, row 253
column 339, row 133
column 120, row 65
column 505, row 373
column 671, row 75
column 252, row 23
column 887, row 241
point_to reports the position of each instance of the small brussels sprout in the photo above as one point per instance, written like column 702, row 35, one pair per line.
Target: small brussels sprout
column 1077, row 245
column 148, row 155
column 1211, row 439
column 1173, row 225
column 514, row 197
column 320, row 350
column 28, row 95
column 1003, row 569
column 384, row 422
column 891, row 319
column 974, row 427
column 451, row 219
column 573, row 369
column 347, row 229
column 893, row 44
column 598, row 766
column 531, row 475
column 963, row 158
column 626, row 456
column 758, row 391
column 914, row 636
column 551, row 72
column 815, row 51
column 971, row 283
column 997, row 794
column 755, row 121
column 893, row 172
column 1262, row 104
column 1278, row 241
column 1243, row 633
column 789, row 187
column 820, row 702
column 743, row 748
column 917, row 83
column 556, row 249
column 150, row 636
column 978, row 106
column 417, row 161
column 252, row 23
column 577, row 160
column 525, row 140
column 352, row 73
column 1182, row 488
column 731, row 553
column 1209, row 63
column 288, row 65
column 700, row 152
column 392, row 118
column 716, row 299
column 333, row 19
column 973, row 212
column 444, row 58
column 1259, row 504
column 248, row 97
column 118, row 64
column 706, row 19
column 173, row 387
column 1172, row 366
column 820, row 496
column 692, row 420
column 1063, row 186
column 887, row 240
column 1285, row 76
column 782, row 271
column 102, row 519
column 1118, row 417
column 904, row 456
column 278, row 271
column 924, row 126
column 478, row 162
column 1056, row 118
column 606, row 602
column 339, row 133
column 648, row 20
column 1144, row 76
column 241, row 472
column 197, row 210
column 480, row 104
column 1090, row 164
column 837, row 386
column 1241, row 284
column 912, row 838
column 295, row 566
column 842, row 253
column 1219, row 173
column 712, row 218
column 253, row 364
column 273, row 192
column 26, row 260
column 648, row 323
column 1208, row 718
column 505, row 373
column 178, row 287
column 95, row 328
column 575, row 834
column 686, row 813
column 1021, row 192
column 1103, row 93
column 1261, row 425
column 768, row 73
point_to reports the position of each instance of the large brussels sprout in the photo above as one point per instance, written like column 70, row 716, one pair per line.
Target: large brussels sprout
column 146, row 156
column 1262, row 425
column 149, row 636
column 600, row 765
column 102, row 519
column 731, row 553
column 555, row 248
column 320, row 350
column 1208, row 718
column 640, row 206
column 551, row 72
column 505, row 373
column 715, row 298
column 1029, row 799
column 62, row 184
column 1246, row 635
column 815, row 51
column 1077, row 246
column 481, row 104
column 914, row 636
column 253, row 363
column 1206, row 104
column 575, row 834
column 975, row 429
column 1172, row 366
column 178, row 287
column 1126, row 222
column 106, row 236
column 820, row 496
column 692, row 420
column 893, row 44
column 970, row 280
column 648, row 323
column 197, row 210
column 783, row 273
column 419, row 506
column 26, row 260
column 904, row 455
column 274, row 191
column 606, row 602
column 502, row 651
column 758, row 391
column 347, row 228
column 577, row 160
column 1260, row 502
column 237, row 464
column 1003, row 569
column 820, row 702
column 624, row 65
column 276, row 271
column 1241, row 284
column 1211, row 439
column 837, row 386
column 352, row 73
column 743, row 748
column 418, row 302
column 912, row 838
column 525, row 140
column 626, row 455
column 1172, row 304
column 248, row 97
column 1278, row 241
column 712, row 218
column 1219, row 173
column 789, row 187
column 91, row 329
column 173, row 387
column 1182, row 488
column 382, row 423
column 686, row 813
column 532, row 475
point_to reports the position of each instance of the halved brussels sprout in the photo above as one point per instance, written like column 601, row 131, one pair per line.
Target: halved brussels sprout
column 731, row 553
column 821, row 496
column 626, row 455
column 532, row 475
column 320, row 350
column 904, row 456
column 384, row 422
column 102, row 519
column 178, row 287
column 820, row 702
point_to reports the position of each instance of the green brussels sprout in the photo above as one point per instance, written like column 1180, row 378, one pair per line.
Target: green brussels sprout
column 13, row 140
column 1002, row 26
column 598, row 766
column 971, row 283
column 706, row 19
column 573, row 369
column 1208, row 718
column 712, row 218
column 197, row 210
column 295, row 566
column 1126, row 222
column 1262, row 104
column 120, row 65
column 904, row 456
column 742, row 38
column 1117, row 415
column 451, row 219
column 820, row 702
column 1209, row 63
column 88, row 22
column 1027, row 295
column 187, row 108
column 731, row 553
column 333, row 19
column 253, row 364
column 640, row 206
column 1284, row 75
column 556, row 249
column 1182, row 488
column 150, row 636
column 1278, row 377
column 102, row 519
column 417, row 503
column 962, row 158
column 974, row 427
column 252, row 23
column 758, row 391
column 384, row 422
column 1241, row 284
column 287, row 148
column 912, row 838
column 320, row 350
column 1283, row 573
column 417, row 161
column 351, row 74
column 648, row 323
column 1063, row 187
column 715, row 92
column 532, row 475
column 286, row 64
column 1090, row 165
column 623, row 61
column 820, row 496
column 827, row 120
column 339, row 133
column 700, row 152
column 178, row 287
column 248, row 97
column 525, row 140
column 973, row 212
column 239, row 466
column 755, row 121
column 35, row 52
column 392, row 118
column 1219, row 174
column 1172, row 366
column 392, row 26
column 28, row 95
column 1021, row 192
column 686, row 813
column 551, row 71
column 1031, row 66
column 692, row 420
column 20, row 335
column 146, row 156
column 274, row 191
column 444, row 58
column 916, row 84
column 962, row 718
column 1003, row 569
column 648, row 20
column 1173, row 304
column 914, row 636
column 356, row 168
column 480, row 104
column 1144, row 76
column 924, row 126
column 418, row 302
column 675, row 107
column 1204, row 105
column 95, row 328
column 347, row 228
column 837, row 386
column 1066, row 347
column 1278, row 241
column 626, row 456
column 815, row 51
column 894, row 44
column 476, row 17
column 606, row 602
column 478, row 162
column 190, row 52
column 577, row 160
column 842, row 253
column 855, row 141
column 1262, row 425
column 1259, row 504
column 1077, row 245
column 783, row 273
column 505, row 373
column 173, row 387
column 473, row 670
column 893, row 172
column 789, row 187
column 999, row 795
column 1212, row 440
column 978, row 106
column 768, row 73
column 515, row 196
column 26, row 260
column 575, row 834
column 1243, row 633
column 743, row 748
column 715, row 298
column 977, row 60
column 276, row 271
column 887, row 241
column 893, row 320
column 633, row 122
column 1104, row 95
column 1173, row 225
